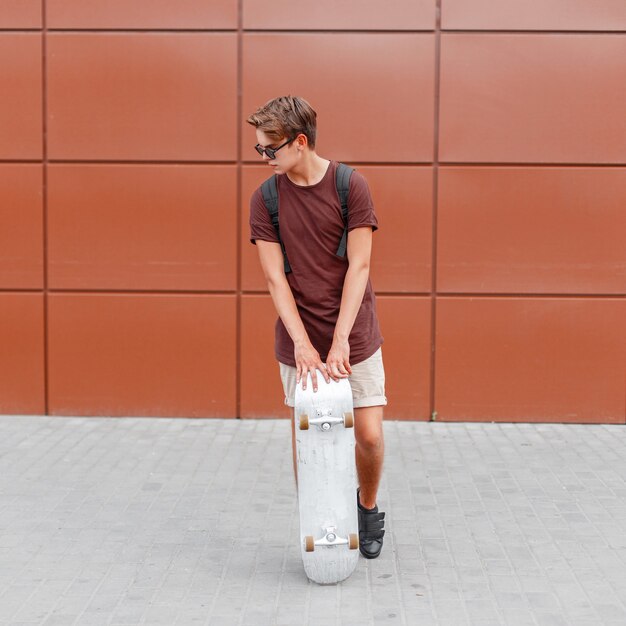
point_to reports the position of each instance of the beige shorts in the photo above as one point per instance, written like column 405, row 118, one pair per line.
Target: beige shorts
column 367, row 381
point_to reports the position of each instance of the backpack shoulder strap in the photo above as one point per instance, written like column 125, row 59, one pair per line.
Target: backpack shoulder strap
column 269, row 189
column 342, row 181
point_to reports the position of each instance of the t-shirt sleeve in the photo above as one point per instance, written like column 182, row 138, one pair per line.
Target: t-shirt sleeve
column 360, row 204
column 260, row 221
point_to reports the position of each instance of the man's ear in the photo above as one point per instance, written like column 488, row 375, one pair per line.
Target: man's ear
column 301, row 141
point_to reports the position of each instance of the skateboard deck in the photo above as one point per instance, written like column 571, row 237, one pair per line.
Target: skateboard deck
column 329, row 527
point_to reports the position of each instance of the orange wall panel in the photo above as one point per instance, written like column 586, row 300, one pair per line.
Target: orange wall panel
column 157, row 96
column 402, row 249
column 530, row 359
column 20, row 14
column 533, row 98
column 141, row 14
column 142, row 227
column 130, row 354
column 252, row 278
column 524, row 15
column 401, row 256
column 404, row 322
column 345, row 15
column 21, row 116
column 346, row 78
column 22, row 387
column 261, row 388
column 405, row 326
column 21, row 231
column 534, row 230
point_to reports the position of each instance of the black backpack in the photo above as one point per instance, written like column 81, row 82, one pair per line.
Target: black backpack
column 342, row 182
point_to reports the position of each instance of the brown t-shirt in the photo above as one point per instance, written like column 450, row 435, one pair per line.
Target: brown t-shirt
column 311, row 226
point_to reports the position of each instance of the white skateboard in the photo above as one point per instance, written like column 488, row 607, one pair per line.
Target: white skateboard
column 329, row 526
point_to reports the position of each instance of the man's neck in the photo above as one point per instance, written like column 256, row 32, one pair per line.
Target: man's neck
column 309, row 171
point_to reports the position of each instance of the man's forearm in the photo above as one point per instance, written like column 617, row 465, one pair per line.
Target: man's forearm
column 354, row 287
column 288, row 311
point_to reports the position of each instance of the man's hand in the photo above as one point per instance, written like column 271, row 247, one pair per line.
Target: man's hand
column 338, row 361
column 308, row 360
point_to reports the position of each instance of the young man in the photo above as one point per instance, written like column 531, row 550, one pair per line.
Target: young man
column 326, row 306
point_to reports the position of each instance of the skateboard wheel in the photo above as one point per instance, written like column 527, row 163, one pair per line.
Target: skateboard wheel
column 348, row 420
column 304, row 422
column 354, row 541
column 309, row 543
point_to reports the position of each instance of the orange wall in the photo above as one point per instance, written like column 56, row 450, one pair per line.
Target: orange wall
column 493, row 137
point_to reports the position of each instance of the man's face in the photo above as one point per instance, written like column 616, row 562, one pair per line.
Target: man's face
column 284, row 158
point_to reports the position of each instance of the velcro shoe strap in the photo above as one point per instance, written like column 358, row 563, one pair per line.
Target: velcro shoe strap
column 370, row 535
column 372, row 522
column 372, row 517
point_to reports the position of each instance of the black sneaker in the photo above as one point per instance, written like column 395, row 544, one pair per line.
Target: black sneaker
column 371, row 530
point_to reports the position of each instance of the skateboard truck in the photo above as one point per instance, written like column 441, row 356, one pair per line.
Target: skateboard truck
column 330, row 540
column 324, row 420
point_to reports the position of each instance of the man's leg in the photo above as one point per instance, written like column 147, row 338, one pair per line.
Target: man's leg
column 370, row 450
column 288, row 379
column 293, row 449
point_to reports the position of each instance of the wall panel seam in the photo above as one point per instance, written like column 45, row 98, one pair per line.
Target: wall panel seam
column 533, row 296
column 504, row 31
column 445, row 31
column 435, row 201
column 339, row 31
column 256, row 292
column 143, row 292
column 444, row 164
column 239, row 208
column 44, row 106
column 145, row 31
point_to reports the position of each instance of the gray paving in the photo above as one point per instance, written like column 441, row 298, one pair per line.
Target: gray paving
column 175, row 521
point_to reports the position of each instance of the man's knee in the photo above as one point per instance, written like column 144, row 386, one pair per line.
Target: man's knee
column 369, row 428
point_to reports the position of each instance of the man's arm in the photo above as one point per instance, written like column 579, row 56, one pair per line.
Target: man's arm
column 306, row 356
column 359, row 253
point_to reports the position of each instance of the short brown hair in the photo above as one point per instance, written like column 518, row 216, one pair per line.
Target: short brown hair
column 286, row 117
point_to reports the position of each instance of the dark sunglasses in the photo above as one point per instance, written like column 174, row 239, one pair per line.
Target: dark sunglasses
column 271, row 152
